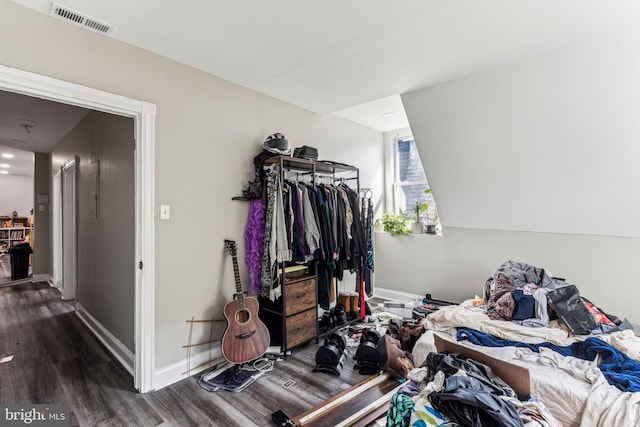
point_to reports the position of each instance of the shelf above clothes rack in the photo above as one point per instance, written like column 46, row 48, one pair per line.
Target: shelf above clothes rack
column 317, row 166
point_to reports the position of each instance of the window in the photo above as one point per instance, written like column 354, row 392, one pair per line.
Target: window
column 410, row 181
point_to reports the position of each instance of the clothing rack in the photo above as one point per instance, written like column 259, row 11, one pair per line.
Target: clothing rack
column 295, row 176
column 314, row 174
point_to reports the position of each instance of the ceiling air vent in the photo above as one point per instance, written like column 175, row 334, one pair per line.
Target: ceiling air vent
column 78, row 18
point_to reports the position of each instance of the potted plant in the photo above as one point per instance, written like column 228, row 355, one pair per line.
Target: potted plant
column 395, row 224
column 432, row 221
column 417, row 226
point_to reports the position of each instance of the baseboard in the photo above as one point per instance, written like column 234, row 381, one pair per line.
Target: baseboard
column 57, row 285
column 175, row 372
column 42, row 278
column 396, row 295
column 113, row 344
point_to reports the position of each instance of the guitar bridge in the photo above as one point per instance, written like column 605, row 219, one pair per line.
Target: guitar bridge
column 245, row 335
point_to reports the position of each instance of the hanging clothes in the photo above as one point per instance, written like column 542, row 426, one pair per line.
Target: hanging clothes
column 276, row 248
column 326, row 265
column 311, row 232
column 358, row 243
column 303, row 223
column 368, row 265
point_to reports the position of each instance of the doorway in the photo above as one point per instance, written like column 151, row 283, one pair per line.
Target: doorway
column 143, row 114
column 16, row 208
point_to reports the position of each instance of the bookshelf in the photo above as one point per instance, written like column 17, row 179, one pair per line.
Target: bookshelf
column 14, row 230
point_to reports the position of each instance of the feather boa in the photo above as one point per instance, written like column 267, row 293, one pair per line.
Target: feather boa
column 254, row 242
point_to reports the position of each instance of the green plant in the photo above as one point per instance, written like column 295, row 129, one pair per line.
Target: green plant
column 395, row 224
column 421, row 207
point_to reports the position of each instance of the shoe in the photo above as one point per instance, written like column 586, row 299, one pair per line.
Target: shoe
column 355, row 302
column 345, row 300
column 341, row 315
column 392, row 358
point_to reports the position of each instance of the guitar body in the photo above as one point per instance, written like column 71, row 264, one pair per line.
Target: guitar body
column 246, row 337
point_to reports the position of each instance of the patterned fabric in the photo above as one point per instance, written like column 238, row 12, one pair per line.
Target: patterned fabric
column 399, row 412
column 369, row 232
column 368, row 264
column 424, row 415
column 265, row 281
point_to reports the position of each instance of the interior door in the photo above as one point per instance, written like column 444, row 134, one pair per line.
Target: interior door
column 69, row 231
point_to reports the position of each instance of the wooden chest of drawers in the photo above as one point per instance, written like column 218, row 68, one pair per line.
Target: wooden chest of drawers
column 292, row 318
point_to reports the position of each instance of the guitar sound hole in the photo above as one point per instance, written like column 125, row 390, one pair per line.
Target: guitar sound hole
column 242, row 316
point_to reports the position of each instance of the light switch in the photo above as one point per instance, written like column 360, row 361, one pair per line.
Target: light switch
column 165, row 211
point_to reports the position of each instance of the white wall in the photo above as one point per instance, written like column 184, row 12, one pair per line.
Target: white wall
column 207, row 132
column 16, row 194
column 455, row 266
column 106, row 264
column 548, row 144
column 544, row 149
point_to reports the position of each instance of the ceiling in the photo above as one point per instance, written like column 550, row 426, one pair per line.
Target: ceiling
column 352, row 59
column 29, row 125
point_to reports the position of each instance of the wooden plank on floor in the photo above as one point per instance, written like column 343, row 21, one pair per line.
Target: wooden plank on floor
column 353, row 404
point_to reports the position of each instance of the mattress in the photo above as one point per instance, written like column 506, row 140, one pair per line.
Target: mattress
column 574, row 390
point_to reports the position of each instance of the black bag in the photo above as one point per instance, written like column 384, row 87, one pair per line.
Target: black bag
column 306, row 152
column 571, row 310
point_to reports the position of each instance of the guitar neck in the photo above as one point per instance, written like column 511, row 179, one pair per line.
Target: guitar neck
column 239, row 290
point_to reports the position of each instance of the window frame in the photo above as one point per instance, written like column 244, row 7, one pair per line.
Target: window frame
column 397, row 184
column 392, row 173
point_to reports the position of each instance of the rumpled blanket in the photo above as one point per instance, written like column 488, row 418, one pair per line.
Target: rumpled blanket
column 480, row 338
column 619, row 369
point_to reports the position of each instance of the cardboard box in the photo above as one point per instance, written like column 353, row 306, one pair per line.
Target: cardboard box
column 516, row 376
column 403, row 309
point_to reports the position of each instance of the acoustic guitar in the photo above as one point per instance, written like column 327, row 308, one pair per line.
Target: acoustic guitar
column 246, row 337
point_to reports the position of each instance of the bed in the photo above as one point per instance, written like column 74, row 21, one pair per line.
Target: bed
column 574, row 390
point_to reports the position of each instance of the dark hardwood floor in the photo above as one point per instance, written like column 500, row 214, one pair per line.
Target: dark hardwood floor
column 57, row 360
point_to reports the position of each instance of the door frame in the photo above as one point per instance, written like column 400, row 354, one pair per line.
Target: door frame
column 143, row 114
column 56, row 228
column 69, row 229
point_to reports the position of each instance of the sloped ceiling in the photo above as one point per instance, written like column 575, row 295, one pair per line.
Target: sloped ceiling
column 332, row 55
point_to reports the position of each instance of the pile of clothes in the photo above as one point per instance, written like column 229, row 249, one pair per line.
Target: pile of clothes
column 448, row 389
column 530, row 296
column 452, row 390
